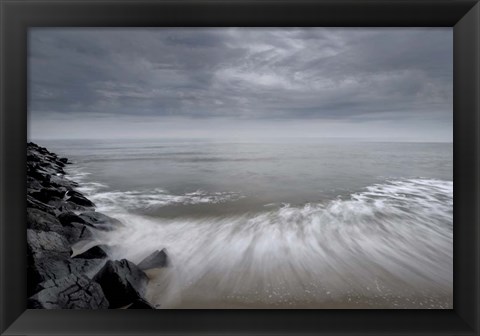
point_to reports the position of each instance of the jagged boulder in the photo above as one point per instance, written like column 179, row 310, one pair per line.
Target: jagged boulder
column 33, row 185
column 71, row 292
column 95, row 252
column 44, row 248
column 45, row 195
column 34, row 203
column 36, row 173
column 99, row 220
column 63, row 205
column 76, row 232
column 67, row 218
column 48, row 256
column 157, row 259
column 48, row 168
column 42, row 221
column 55, row 266
column 122, row 282
column 46, row 243
column 77, row 198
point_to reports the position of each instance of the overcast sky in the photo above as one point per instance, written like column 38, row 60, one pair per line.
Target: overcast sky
column 371, row 83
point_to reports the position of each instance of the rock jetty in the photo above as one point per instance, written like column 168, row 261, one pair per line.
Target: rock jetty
column 59, row 216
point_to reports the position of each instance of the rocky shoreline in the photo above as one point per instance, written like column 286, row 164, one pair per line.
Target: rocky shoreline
column 59, row 217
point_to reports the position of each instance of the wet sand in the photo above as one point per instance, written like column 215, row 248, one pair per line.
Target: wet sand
column 347, row 303
column 376, row 301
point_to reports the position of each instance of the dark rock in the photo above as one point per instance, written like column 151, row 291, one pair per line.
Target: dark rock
column 42, row 221
column 55, row 266
column 71, row 292
column 46, row 180
column 54, row 280
column 56, row 202
column 95, row 252
column 122, row 282
column 50, row 168
column 99, row 220
column 67, row 218
column 79, row 232
column 32, row 158
column 49, row 257
column 46, row 243
column 68, row 206
column 140, row 304
column 34, row 203
column 63, row 182
column 33, row 185
column 44, row 248
column 47, row 165
column 45, row 195
column 88, row 267
column 157, row 259
column 76, row 232
column 39, row 175
column 77, row 198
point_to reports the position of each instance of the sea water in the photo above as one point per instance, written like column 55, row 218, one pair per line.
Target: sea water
column 295, row 223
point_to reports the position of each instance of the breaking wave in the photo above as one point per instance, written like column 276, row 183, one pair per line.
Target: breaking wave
column 118, row 201
column 388, row 246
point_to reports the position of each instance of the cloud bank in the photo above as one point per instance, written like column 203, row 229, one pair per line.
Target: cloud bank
column 244, row 82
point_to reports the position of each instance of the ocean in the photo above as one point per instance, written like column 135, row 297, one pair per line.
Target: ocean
column 294, row 223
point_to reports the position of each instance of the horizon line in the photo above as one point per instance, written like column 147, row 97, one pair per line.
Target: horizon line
column 242, row 139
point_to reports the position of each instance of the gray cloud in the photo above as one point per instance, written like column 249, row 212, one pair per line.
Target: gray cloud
column 348, row 75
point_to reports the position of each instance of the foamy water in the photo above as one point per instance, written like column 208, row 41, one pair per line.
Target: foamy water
column 387, row 244
column 391, row 242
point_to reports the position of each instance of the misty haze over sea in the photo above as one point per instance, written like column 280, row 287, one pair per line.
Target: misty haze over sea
column 305, row 223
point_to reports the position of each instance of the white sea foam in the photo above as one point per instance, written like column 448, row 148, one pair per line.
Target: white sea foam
column 389, row 242
column 131, row 200
column 120, row 201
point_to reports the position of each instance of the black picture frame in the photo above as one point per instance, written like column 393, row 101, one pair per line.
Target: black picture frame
column 17, row 16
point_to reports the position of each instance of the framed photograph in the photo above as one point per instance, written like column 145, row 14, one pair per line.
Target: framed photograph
column 270, row 167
